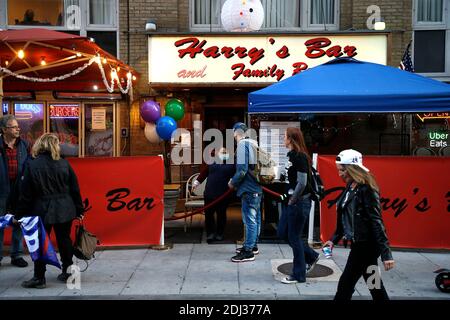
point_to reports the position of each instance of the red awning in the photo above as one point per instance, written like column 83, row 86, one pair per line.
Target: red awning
column 63, row 54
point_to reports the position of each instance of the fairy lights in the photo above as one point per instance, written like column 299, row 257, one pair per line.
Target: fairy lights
column 97, row 59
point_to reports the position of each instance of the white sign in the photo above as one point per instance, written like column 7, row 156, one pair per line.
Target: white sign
column 271, row 139
column 253, row 59
column 98, row 119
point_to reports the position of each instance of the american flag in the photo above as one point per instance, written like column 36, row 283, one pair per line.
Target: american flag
column 406, row 63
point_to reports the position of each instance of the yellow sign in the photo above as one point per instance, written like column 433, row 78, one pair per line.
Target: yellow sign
column 433, row 115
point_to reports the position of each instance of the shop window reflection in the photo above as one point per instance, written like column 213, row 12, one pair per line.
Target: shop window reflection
column 30, row 117
column 99, row 130
column 64, row 121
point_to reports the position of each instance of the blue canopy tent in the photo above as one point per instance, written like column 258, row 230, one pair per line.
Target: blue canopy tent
column 349, row 85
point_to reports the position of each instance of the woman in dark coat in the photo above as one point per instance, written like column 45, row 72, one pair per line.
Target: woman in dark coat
column 359, row 222
column 49, row 189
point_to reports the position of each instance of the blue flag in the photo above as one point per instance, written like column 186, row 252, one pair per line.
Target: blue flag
column 38, row 242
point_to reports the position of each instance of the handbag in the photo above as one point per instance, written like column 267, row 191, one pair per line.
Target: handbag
column 85, row 243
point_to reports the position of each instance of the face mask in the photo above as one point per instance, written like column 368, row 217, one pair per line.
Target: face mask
column 224, row 157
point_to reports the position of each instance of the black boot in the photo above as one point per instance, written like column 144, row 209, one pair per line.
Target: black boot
column 34, row 283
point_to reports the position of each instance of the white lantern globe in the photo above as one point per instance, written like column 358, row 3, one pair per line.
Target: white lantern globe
column 242, row 15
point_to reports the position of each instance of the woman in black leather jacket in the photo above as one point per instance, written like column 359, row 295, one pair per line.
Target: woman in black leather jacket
column 49, row 189
column 359, row 222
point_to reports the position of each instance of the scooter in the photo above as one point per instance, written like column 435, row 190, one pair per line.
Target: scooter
column 443, row 280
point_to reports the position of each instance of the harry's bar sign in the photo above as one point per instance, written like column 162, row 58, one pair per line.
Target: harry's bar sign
column 253, row 59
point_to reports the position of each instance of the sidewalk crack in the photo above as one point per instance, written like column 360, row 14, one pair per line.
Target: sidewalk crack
column 132, row 274
column 187, row 268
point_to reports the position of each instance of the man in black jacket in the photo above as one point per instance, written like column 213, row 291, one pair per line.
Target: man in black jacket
column 14, row 152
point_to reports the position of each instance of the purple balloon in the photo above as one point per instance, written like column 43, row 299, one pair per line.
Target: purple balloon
column 150, row 111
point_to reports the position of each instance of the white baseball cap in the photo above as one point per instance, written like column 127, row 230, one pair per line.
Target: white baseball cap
column 351, row 156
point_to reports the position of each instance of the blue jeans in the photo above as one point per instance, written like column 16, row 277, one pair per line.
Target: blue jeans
column 251, row 216
column 16, row 242
column 290, row 228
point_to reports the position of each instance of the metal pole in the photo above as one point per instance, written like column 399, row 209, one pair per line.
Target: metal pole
column 313, row 206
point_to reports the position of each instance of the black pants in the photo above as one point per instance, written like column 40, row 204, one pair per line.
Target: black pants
column 362, row 255
column 210, row 219
column 62, row 232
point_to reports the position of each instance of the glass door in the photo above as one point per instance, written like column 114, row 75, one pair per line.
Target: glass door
column 65, row 122
column 99, row 129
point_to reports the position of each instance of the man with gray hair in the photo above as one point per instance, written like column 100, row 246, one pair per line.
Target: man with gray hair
column 14, row 152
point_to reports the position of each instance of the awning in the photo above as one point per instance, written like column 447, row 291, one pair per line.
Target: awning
column 49, row 54
column 349, row 85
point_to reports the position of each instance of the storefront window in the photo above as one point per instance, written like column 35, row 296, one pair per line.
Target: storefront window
column 36, row 12
column 99, row 130
column 431, row 134
column 64, row 121
column 101, row 12
column 30, row 117
column 281, row 14
column 322, row 12
column 429, row 10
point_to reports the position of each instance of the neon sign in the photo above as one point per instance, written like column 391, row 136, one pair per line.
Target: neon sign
column 32, row 107
column 438, row 139
column 64, row 111
column 433, row 115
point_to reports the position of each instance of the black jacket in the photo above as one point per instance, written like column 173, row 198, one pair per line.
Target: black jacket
column 219, row 174
column 364, row 220
column 49, row 189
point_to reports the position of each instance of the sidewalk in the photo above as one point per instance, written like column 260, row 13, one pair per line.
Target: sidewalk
column 202, row 271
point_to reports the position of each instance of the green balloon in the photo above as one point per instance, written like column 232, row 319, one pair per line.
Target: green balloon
column 175, row 109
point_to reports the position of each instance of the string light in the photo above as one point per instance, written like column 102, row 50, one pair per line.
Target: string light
column 97, row 59
column 95, row 87
column 105, row 61
column 78, row 54
column 21, row 54
column 43, row 62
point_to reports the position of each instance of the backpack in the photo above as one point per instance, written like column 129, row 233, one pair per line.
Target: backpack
column 264, row 171
column 317, row 188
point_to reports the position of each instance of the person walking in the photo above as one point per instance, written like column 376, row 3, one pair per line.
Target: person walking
column 250, row 192
column 359, row 222
column 295, row 214
column 14, row 153
column 49, row 189
column 218, row 174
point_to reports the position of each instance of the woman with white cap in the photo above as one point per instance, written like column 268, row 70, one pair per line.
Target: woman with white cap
column 359, row 222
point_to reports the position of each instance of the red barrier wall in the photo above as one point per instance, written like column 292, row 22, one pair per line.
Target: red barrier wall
column 415, row 195
column 124, row 197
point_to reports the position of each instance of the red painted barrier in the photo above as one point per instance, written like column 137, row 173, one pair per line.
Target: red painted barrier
column 124, row 197
column 415, row 196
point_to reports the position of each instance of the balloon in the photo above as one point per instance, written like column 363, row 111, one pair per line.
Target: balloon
column 150, row 111
column 150, row 133
column 165, row 126
column 175, row 109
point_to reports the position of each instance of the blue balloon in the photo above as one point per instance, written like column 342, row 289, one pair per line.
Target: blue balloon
column 165, row 126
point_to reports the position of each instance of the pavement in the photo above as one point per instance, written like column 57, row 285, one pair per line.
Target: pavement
column 201, row 271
